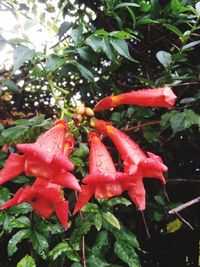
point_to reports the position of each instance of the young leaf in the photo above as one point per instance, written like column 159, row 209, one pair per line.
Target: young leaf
column 39, row 242
column 26, row 261
column 164, row 58
column 122, row 48
column 22, row 54
column 109, row 217
column 61, row 248
column 17, row 238
column 108, row 50
column 53, row 62
column 94, row 42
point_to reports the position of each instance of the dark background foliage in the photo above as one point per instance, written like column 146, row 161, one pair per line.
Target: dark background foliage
column 121, row 46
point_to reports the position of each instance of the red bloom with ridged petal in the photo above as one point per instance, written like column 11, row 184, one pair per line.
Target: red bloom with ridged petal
column 46, row 158
column 44, row 197
column 136, row 163
column 135, row 160
column 158, row 97
column 103, row 180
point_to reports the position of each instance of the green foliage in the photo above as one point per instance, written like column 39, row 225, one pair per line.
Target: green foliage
column 111, row 46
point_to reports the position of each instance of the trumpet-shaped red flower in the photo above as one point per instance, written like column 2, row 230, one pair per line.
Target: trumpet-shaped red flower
column 136, row 162
column 103, row 180
column 158, row 97
column 46, row 158
column 44, row 197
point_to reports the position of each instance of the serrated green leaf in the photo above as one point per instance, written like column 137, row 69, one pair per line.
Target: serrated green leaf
column 21, row 209
column 22, row 54
column 126, row 253
column 61, row 248
column 26, row 261
column 17, row 238
column 164, row 58
column 53, row 62
column 40, row 243
column 121, row 35
column 108, row 50
column 101, row 245
column 109, row 217
column 98, row 221
column 126, row 236
column 21, row 222
column 94, row 42
column 118, row 200
column 122, row 48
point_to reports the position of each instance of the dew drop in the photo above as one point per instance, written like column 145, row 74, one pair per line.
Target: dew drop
column 99, row 164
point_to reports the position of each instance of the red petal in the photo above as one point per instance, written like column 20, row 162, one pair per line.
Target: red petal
column 42, row 206
column 84, row 197
column 137, row 194
column 157, row 97
column 61, row 210
column 13, row 201
column 67, row 180
column 13, row 167
column 108, row 190
column 99, row 159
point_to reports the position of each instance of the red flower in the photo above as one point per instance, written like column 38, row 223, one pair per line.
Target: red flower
column 103, row 180
column 44, row 197
column 136, row 163
column 135, row 160
column 46, row 158
column 158, row 97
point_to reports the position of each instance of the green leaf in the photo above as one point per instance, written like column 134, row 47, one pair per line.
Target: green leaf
column 64, row 27
column 26, row 261
column 14, row 133
column 108, row 50
column 94, row 261
column 121, row 35
column 190, row 45
column 39, row 242
column 21, row 209
column 116, row 117
column 144, row 21
column 197, row 7
column 183, row 120
column 87, row 53
column 90, row 207
column 101, row 32
column 11, row 85
column 164, row 58
column 77, row 34
column 98, row 221
column 4, row 195
column 122, row 48
column 22, row 54
column 75, row 237
column 87, row 74
column 126, row 236
column 82, row 151
column 17, row 238
column 126, row 253
column 151, row 134
column 94, row 42
column 118, row 200
column 126, row 4
column 101, row 245
column 53, row 62
column 174, row 226
column 21, row 222
column 61, row 248
column 109, row 217
column 173, row 29
column 175, row 5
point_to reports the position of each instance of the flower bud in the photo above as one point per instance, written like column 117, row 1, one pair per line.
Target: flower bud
column 77, row 118
column 89, row 112
column 81, row 109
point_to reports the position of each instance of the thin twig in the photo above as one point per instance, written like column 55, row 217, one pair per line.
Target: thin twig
column 179, row 180
column 185, row 205
column 183, row 220
column 142, row 125
column 145, row 224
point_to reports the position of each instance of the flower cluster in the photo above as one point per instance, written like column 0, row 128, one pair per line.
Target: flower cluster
column 47, row 160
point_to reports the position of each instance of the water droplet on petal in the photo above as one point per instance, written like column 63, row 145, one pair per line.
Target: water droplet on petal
column 99, row 163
